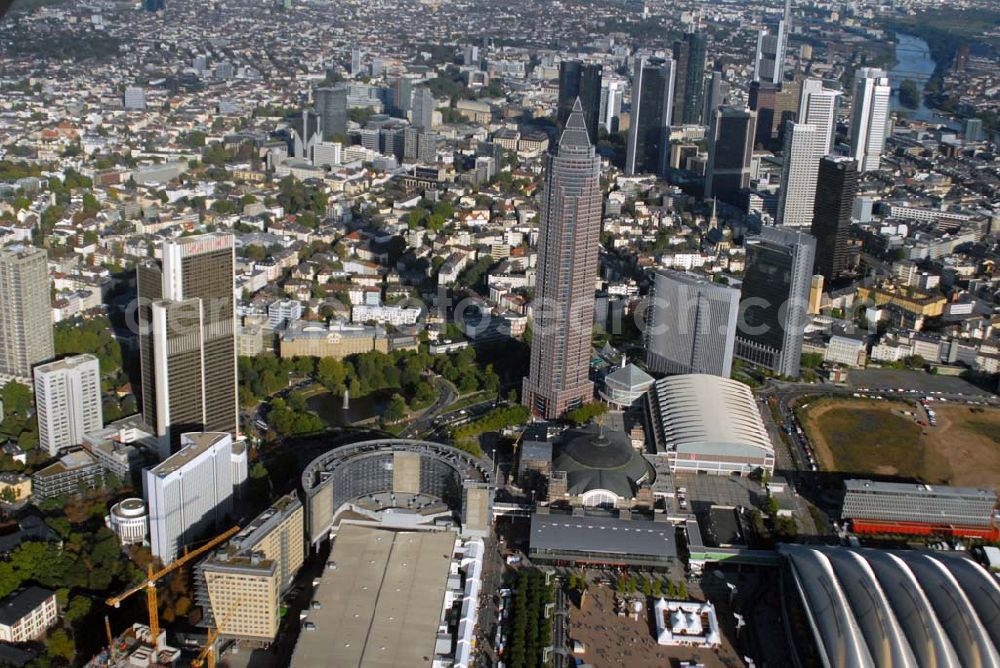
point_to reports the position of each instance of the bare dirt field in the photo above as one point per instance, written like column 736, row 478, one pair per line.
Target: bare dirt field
column 612, row 641
column 877, row 437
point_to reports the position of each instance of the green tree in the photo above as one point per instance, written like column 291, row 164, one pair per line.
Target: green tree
column 396, row 410
column 60, row 645
column 586, row 412
column 78, row 608
column 909, row 94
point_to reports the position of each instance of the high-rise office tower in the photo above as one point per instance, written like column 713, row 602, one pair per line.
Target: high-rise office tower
column 25, row 310
column 730, row 148
column 775, row 106
column 803, row 150
column 134, row 98
column 402, row 96
column 652, row 109
column 356, row 61
column 836, row 188
column 769, row 63
column 805, row 143
column 581, row 81
column 187, row 342
column 612, row 93
column 331, row 105
column 691, row 325
column 190, row 494
column 972, row 130
column 67, row 401
column 567, row 264
column 775, row 299
column 423, row 108
column 690, row 54
column 870, row 117
column 818, row 106
column 715, row 96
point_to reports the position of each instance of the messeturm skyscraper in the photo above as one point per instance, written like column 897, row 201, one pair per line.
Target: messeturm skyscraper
column 25, row 310
column 567, row 264
column 187, row 343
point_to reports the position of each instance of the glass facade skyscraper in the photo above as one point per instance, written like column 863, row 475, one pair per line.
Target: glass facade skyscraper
column 583, row 81
column 649, row 132
column 836, row 188
column 690, row 54
column 775, row 299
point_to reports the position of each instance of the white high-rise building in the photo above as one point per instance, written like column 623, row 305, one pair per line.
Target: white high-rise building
column 806, row 142
column 870, row 117
column 803, row 151
column 818, row 106
column 190, row 494
column 327, row 154
column 612, row 93
column 68, row 401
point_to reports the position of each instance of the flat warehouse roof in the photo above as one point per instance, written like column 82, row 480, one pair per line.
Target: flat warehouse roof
column 609, row 535
column 381, row 606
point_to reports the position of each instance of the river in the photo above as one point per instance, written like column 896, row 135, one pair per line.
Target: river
column 914, row 62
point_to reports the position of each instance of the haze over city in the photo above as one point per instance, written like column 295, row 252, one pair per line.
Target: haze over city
column 456, row 333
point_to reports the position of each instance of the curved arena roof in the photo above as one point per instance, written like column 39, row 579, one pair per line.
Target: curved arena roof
column 701, row 412
column 466, row 465
column 900, row 608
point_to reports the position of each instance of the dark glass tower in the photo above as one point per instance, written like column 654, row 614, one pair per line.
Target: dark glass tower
column 730, row 148
column 649, row 132
column 775, row 299
column 331, row 105
column 690, row 54
column 567, row 264
column 580, row 81
column 836, row 187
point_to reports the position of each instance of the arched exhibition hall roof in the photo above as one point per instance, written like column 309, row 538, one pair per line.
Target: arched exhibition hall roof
column 704, row 412
column 898, row 608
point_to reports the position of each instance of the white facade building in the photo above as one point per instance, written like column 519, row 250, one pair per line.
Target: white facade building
column 282, row 311
column 191, row 492
column 806, row 142
column 25, row 615
column 385, row 315
column 870, row 117
column 68, row 401
column 845, row 350
column 129, row 521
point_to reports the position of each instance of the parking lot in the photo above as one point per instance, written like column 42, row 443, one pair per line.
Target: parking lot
column 878, row 380
column 707, row 490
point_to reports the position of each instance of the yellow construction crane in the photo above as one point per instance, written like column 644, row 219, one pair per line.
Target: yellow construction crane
column 153, row 576
column 208, row 651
